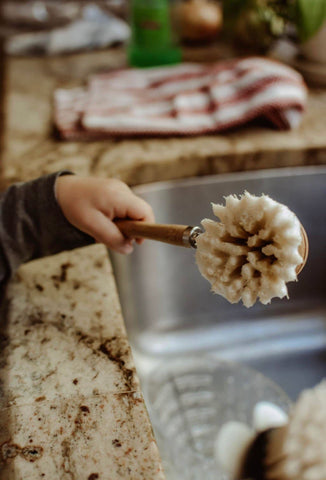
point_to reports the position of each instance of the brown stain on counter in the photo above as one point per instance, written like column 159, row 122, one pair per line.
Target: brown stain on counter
column 111, row 348
column 62, row 277
column 30, row 453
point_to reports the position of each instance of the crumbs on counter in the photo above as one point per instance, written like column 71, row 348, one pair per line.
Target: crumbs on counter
column 116, row 443
column 40, row 399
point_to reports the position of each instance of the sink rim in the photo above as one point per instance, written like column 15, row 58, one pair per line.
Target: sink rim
column 234, row 176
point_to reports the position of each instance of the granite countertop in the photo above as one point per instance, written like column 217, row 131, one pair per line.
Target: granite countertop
column 71, row 406
column 31, row 149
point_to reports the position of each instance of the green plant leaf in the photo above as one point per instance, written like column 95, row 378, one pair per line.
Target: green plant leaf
column 311, row 14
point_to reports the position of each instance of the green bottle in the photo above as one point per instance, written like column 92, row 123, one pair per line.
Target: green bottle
column 152, row 41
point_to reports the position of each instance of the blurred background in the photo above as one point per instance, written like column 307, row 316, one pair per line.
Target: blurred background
column 53, row 26
column 66, row 85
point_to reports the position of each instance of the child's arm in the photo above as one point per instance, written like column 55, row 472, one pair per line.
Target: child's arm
column 55, row 213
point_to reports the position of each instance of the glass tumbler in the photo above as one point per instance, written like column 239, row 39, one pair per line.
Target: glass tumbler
column 190, row 398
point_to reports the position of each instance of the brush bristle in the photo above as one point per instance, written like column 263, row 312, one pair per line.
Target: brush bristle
column 305, row 443
column 252, row 252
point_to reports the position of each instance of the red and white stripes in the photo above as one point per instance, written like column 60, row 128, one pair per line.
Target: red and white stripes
column 186, row 99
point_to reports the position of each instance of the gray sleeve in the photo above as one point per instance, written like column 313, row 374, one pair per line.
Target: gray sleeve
column 32, row 225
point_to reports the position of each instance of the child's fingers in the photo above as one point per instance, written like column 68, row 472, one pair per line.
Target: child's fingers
column 125, row 204
column 105, row 231
column 138, row 209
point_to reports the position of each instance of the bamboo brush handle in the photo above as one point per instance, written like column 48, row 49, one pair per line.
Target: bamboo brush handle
column 173, row 234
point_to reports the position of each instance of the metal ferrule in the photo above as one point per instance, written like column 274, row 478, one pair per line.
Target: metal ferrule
column 190, row 236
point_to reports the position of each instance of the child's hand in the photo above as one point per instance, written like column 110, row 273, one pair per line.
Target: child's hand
column 91, row 204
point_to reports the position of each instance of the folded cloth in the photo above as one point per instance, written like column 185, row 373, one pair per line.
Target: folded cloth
column 186, row 99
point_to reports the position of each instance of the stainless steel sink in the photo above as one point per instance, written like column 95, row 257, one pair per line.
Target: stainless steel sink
column 170, row 311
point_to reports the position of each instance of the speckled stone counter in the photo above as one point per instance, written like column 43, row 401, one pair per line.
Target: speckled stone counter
column 71, row 407
column 31, row 149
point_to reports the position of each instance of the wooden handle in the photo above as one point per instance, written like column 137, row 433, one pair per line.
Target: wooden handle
column 173, row 234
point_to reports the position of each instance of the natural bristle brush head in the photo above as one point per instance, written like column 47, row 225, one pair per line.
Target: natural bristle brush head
column 253, row 251
column 305, row 441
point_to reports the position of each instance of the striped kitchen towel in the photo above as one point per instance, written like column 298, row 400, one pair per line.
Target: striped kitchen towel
column 187, row 99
